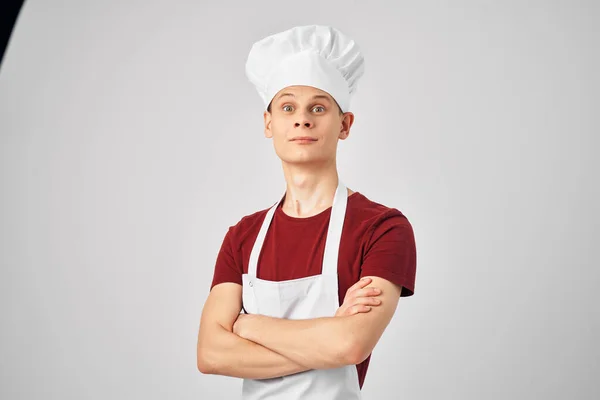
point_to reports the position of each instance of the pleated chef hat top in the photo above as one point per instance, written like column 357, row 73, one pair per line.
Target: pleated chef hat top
column 312, row 55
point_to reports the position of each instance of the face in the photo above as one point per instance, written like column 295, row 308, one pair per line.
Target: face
column 305, row 111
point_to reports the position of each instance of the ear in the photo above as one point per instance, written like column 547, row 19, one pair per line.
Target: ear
column 267, row 119
column 346, row 124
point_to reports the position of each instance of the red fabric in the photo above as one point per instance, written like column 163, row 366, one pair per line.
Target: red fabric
column 376, row 241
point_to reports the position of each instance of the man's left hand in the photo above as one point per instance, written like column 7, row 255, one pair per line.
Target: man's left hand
column 240, row 324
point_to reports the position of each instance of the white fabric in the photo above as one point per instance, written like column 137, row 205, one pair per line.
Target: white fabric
column 312, row 55
column 303, row 298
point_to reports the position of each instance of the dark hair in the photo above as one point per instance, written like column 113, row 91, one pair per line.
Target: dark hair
column 336, row 103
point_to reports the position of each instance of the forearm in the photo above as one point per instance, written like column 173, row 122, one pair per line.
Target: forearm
column 318, row 343
column 230, row 355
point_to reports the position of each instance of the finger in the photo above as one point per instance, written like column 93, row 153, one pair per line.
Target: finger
column 370, row 291
column 359, row 308
column 369, row 301
column 358, row 285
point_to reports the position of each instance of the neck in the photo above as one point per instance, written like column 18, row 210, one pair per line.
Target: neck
column 309, row 189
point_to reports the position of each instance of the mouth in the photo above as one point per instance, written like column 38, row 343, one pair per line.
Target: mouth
column 304, row 139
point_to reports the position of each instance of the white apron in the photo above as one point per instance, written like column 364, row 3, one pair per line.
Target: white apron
column 303, row 298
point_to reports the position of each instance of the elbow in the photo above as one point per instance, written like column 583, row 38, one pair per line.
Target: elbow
column 210, row 351
column 355, row 352
column 204, row 367
column 204, row 361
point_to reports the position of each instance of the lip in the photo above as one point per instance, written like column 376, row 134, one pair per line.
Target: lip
column 304, row 139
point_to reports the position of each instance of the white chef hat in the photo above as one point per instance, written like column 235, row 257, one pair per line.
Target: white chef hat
column 312, row 55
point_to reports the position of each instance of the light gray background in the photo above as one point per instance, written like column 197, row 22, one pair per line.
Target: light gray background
column 131, row 140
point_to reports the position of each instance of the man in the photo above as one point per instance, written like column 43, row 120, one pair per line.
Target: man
column 289, row 267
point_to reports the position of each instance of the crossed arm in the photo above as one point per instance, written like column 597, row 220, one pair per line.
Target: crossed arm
column 263, row 347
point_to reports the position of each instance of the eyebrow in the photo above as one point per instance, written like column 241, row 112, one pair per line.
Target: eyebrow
column 316, row 96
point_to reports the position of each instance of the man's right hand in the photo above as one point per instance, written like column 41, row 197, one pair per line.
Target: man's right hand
column 359, row 299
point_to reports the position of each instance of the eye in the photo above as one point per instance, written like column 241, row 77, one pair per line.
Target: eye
column 287, row 105
column 319, row 107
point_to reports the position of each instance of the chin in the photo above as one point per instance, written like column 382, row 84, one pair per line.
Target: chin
column 301, row 158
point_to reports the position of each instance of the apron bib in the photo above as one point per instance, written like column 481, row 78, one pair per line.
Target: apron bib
column 303, row 298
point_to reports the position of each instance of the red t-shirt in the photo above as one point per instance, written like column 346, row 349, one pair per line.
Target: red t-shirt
column 376, row 241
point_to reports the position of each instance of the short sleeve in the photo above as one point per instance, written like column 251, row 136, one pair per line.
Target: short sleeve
column 390, row 252
column 228, row 267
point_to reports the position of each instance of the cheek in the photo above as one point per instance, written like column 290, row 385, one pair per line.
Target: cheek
column 279, row 127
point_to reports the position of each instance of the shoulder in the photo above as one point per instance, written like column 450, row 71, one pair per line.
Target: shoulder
column 247, row 226
column 389, row 247
column 375, row 216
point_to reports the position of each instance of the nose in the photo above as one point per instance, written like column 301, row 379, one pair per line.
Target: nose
column 303, row 120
